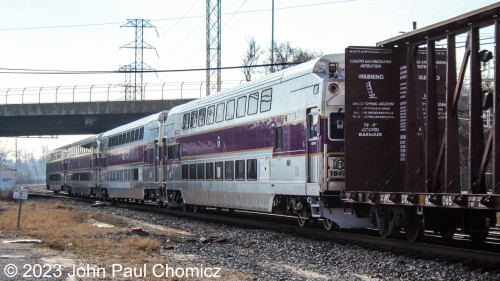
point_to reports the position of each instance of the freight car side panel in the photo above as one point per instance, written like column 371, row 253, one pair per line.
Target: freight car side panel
column 371, row 120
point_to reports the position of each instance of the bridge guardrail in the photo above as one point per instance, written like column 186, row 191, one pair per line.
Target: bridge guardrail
column 107, row 92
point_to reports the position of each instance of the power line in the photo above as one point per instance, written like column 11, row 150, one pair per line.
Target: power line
column 86, row 72
column 174, row 18
column 180, row 19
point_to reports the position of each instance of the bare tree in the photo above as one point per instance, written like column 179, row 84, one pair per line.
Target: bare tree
column 45, row 153
column 285, row 55
column 251, row 58
column 4, row 153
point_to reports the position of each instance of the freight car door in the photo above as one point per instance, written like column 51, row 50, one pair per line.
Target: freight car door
column 312, row 148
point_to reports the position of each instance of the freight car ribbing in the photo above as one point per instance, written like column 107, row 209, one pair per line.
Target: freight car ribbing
column 421, row 183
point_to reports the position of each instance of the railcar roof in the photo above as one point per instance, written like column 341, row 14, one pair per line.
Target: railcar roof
column 138, row 123
column 317, row 65
column 77, row 143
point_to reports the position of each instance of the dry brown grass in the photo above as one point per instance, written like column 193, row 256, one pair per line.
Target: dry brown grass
column 62, row 228
column 72, row 233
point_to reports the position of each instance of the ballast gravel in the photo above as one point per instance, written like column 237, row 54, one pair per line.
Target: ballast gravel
column 269, row 255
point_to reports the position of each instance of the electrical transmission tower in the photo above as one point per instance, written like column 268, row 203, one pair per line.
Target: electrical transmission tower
column 134, row 88
column 213, row 46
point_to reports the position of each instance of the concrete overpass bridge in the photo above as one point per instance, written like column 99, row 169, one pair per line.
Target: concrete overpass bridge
column 75, row 118
column 89, row 109
column 83, row 109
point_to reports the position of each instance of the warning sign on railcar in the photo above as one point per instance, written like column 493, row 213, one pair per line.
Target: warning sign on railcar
column 372, row 119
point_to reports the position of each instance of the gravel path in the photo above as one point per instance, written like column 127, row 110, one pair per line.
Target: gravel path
column 269, row 255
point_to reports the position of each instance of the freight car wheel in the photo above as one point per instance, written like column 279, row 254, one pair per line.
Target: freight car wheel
column 196, row 209
column 414, row 230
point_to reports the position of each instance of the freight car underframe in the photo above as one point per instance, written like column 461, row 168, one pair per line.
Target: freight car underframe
column 414, row 213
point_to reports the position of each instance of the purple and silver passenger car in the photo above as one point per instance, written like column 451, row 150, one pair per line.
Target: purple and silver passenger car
column 272, row 145
column 131, row 157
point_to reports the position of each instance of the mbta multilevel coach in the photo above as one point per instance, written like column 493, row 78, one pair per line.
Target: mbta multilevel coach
column 272, row 145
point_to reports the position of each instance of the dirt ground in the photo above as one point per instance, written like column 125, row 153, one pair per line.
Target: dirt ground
column 58, row 242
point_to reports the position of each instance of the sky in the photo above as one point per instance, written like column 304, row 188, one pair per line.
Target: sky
column 85, row 35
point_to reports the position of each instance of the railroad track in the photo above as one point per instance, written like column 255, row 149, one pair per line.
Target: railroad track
column 459, row 249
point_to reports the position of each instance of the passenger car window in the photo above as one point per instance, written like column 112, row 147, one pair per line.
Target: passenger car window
column 192, row 172
column 336, row 125
column 252, row 169
column 219, row 116
column 201, row 117
column 209, row 171
column 185, row 171
column 229, row 171
column 265, row 100
column 241, row 106
column 278, row 145
column 219, row 170
column 185, row 121
column 194, row 119
column 210, row 114
column 239, row 170
column 313, row 124
column 230, row 110
column 253, row 103
column 200, row 171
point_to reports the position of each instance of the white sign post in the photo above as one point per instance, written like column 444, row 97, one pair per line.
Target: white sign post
column 20, row 194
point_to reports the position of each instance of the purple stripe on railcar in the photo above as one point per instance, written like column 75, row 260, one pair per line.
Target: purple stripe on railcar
column 55, row 167
column 123, row 156
column 77, row 163
column 253, row 136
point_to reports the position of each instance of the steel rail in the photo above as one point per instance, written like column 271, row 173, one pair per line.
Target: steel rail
column 459, row 250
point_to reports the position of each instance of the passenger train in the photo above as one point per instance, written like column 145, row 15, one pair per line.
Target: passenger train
column 273, row 145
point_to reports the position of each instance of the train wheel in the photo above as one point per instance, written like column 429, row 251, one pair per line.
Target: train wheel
column 231, row 211
column 303, row 217
column 329, row 224
column 414, row 230
column 196, row 209
column 185, row 207
column 302, row 221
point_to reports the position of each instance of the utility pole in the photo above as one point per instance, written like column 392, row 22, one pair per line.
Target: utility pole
column 138, row 66
column 272, row 39
column 213, row 46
